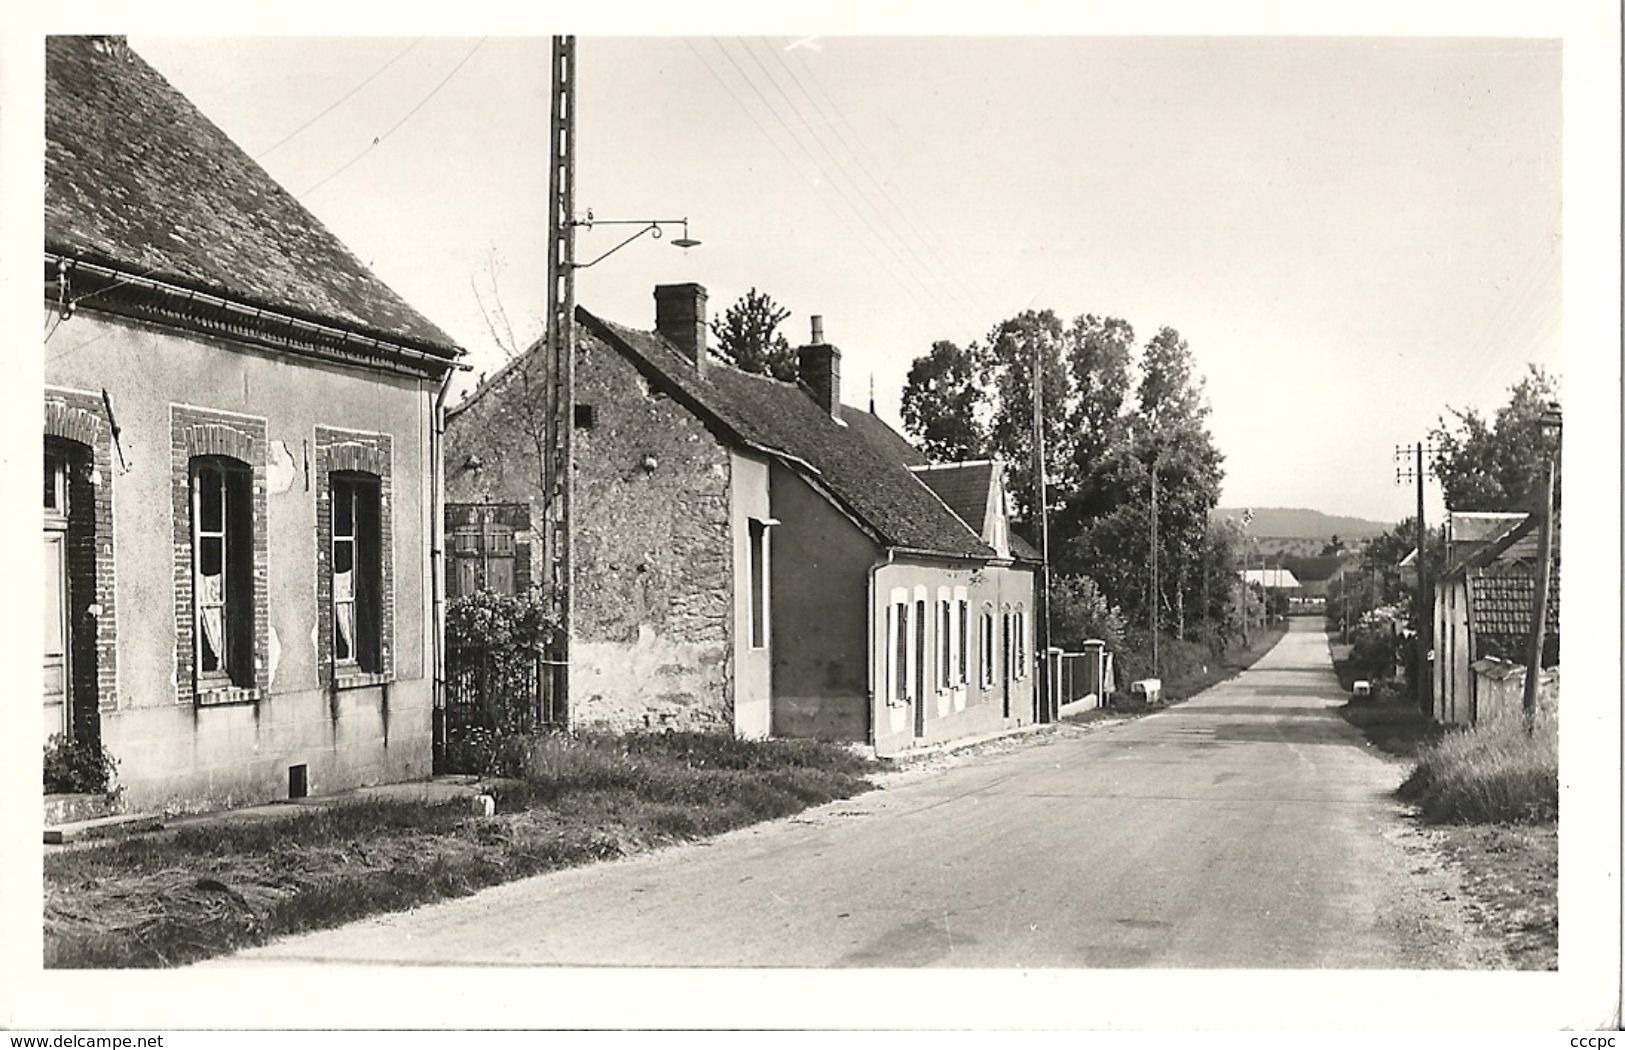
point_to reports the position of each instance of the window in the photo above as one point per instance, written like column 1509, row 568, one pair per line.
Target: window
column 585, row 417
column 222, row 570
column 758, row 583
column 1019, row 630
column 1009, row 647
column 483, row 558
column 945, row 667
column 987, row 647
column 961, row 637
column 56, row 483
column 356, row 573
column 897, row 663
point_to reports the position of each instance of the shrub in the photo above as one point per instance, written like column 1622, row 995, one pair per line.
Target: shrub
column 78, row 766
column 1489, row 774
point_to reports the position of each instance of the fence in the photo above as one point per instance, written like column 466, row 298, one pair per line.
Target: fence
column 1082, row 676
column 505, row 690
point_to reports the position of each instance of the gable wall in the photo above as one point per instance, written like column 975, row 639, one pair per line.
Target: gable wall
column 654, row 559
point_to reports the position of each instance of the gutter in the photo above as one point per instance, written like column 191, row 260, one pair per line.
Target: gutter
column 261, row 319
column 437, row 555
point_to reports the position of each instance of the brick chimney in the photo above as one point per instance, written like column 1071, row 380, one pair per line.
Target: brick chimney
column 819, row 366
column 680, row 317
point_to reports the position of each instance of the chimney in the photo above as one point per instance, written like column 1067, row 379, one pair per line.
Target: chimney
column 819, row 366
column 680, row 317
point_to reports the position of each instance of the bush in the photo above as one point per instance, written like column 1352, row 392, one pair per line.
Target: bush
column 78, row 767
column 1490, row 774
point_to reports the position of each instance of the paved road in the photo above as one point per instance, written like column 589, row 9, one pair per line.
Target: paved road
column 1247, row 827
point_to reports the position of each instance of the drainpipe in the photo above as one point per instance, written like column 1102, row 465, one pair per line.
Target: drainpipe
column 437, row 551
column 869, row 710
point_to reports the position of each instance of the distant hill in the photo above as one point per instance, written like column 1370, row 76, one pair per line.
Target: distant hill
column 1303, row 523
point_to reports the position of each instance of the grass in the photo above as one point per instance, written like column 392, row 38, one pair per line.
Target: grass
column 1492, row 773
column 180, row 896
column 1510, row 871
column 1393, row 723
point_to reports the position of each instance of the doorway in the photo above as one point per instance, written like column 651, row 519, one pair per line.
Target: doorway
column 57, row 691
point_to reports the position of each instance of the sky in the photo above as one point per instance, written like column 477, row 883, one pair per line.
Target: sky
column 1353, row 234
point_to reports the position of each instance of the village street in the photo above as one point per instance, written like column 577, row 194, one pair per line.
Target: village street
column 1249, row 827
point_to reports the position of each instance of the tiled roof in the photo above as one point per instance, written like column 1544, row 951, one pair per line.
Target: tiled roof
column 1479, row 526
column 963, row 486
column 1501, row 607
column 859, row 466
column 138, row 179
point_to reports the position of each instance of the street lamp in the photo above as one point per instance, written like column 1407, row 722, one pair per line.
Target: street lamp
column 645, row 226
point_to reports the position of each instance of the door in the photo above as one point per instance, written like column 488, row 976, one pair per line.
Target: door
column 55, row 629
column 919, row 669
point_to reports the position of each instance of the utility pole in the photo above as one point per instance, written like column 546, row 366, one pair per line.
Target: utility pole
column 1155, row 591
column 1424, row 596
column 1046, row 688
column 558, row 465
column 1552, row 418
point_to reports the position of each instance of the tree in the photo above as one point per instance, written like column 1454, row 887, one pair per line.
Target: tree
column 1099, row 351
column 1170, row 435
column 941, row 402
column 1497, row 464
column 1007, row 366
column 747, row 334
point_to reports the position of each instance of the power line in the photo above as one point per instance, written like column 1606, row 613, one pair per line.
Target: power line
column 837, row 120
column 828, row 179
column 879, row 210
column 341, row 169
column 339, row 102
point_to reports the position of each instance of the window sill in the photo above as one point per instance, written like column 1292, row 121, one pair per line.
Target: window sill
column 207, row 695
column 360, row 679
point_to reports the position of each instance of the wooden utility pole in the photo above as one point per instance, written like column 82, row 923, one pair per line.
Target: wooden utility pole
column 557, row 534
column 1046, row 688
column 1155, row 590
column 1543, row 582
column 1424, row 595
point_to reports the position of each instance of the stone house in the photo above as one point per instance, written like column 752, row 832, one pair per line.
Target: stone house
column 240, row 460
column 754, row 556
column 1483, row 610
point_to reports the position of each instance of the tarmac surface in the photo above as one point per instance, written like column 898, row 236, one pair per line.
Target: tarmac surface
column 1247, row 827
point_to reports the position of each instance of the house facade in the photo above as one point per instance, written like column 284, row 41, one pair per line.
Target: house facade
column 753, row 556
column 1483, row 611
column 240, row 456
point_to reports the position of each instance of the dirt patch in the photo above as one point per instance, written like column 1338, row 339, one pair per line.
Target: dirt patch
column 1510, row 871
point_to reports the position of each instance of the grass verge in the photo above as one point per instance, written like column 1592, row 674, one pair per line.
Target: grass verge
column 180, row 896
column 1491, row 773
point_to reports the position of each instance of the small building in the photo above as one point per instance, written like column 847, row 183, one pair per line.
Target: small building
column 239, row 462
column 1280, row 579
column 753, row 556
column 1314, row 575
column 1483, row 611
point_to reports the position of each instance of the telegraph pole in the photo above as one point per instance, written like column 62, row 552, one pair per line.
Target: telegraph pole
column 1424, row 596
column 557, row 467
column 1154, row 588
column 1551, row 418
column 1046, row 688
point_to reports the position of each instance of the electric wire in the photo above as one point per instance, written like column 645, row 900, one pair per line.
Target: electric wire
column 341, row 100
column 397, row 125
column 880, row 211
column 839, row 191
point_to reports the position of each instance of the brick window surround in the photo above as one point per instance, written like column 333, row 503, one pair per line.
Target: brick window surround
column 207, row 432
column 77, row 416
column 368, row 454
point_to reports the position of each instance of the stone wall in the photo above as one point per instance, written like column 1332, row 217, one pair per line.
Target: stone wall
column 653, row 559
column 653, row 635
